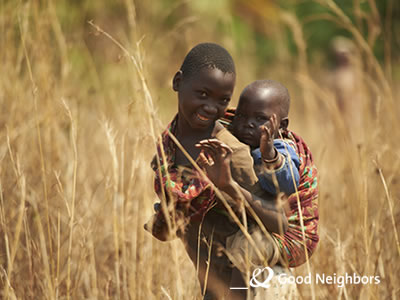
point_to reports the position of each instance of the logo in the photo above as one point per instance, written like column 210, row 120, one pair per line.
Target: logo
column 261, row 278
column 265, row 284
column 254, row 281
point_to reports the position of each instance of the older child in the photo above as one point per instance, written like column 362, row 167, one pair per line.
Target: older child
column 204, row 84
column 281, row 159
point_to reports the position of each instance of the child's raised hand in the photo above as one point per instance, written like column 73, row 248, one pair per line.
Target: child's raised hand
column 268, row 134
column 215, row 159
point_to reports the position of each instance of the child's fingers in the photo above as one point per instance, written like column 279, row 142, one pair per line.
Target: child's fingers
column 224, row 152
column 202, row 160
column 220, row 146
column 209, row 141
column 274, row 123
column 207, row 146
column 272, row 120
column 268, row 132
column 212, row 142
column 221, row 150
column 263, row 129
column 215, row 147
column 264, row 133
column 210, row 150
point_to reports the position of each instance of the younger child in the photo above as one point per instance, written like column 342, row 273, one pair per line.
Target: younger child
column 262, row 111
column 263, row 105
column 283, row 162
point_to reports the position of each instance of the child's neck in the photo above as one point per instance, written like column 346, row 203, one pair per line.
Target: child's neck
column 184, row 132
column 189, row 138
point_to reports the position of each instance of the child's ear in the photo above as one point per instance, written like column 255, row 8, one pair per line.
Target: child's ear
column 176, row 81
column 284, row 123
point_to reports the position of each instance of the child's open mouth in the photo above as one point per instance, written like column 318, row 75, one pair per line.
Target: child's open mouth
column 202, row 118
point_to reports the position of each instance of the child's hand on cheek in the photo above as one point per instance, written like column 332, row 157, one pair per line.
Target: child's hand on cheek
column 215, row 159
column 268, row 134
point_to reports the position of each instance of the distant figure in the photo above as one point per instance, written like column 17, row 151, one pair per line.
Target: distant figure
column 346, row 81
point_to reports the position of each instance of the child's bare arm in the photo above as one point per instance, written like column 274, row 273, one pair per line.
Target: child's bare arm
column 268, row 152
column 276, row 162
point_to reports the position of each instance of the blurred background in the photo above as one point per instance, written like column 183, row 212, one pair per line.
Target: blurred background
column 85, row 89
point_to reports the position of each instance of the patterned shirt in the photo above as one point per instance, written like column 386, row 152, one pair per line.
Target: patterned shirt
column 304, row 209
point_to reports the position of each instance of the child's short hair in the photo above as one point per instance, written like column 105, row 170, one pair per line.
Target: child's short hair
column 279, row 88
column 207, row 55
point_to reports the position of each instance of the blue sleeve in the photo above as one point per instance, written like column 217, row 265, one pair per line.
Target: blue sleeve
column 283, row 174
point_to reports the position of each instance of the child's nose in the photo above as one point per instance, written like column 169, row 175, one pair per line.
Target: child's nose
column 250, row 123
column 210, row 109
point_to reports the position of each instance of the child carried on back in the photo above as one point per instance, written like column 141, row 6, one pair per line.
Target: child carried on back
column 283, row 163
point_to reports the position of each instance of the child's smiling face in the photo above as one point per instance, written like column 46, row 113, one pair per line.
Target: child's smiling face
column 256, row 106
column 203, row 97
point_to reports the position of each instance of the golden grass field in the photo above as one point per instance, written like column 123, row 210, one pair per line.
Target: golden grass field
column 78, row 122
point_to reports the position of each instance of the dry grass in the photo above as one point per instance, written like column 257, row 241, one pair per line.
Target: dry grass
column 77, row 135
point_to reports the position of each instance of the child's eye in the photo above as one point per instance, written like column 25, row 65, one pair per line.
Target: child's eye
column 203, row 95
column 225, row 101
column 261, row 119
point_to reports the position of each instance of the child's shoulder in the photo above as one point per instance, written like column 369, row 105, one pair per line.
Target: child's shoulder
column 302, row 149
column 225, row 136
column 241, row 161
column 284, row 142
column 294, row 139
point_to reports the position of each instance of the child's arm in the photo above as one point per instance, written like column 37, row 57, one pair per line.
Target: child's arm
column 219, row 172
column 276, row 162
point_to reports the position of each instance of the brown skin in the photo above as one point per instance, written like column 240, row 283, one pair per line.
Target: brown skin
column 219, row 172
column 257, row 121
column 258, row 118
column 203, row 98
column 255, row 124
